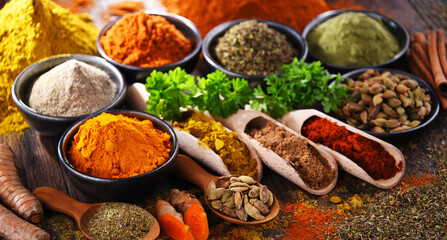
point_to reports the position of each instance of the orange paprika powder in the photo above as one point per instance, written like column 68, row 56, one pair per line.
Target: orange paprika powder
column 145, row 40
column 366, row 153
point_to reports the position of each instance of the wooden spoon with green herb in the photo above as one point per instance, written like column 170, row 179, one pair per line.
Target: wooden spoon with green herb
column 58, row 201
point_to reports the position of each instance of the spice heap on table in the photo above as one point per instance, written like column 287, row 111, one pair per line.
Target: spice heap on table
column 41, row 29
column 145, row 40
column 117, row 146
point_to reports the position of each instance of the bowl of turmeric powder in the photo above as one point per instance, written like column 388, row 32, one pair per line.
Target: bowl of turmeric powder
column 118, row 154
column 139, row 43
column 346, row 40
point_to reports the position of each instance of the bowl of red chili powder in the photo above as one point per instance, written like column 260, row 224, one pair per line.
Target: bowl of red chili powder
column 139, row 43
column 118, row 155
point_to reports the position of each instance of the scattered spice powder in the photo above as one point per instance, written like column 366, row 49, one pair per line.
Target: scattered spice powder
column 308, row 162
column 309, row 222
column 368, row 154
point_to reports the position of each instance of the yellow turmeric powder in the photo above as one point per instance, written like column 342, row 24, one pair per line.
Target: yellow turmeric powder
column 31, row 30
column 117, row 146
column 226, row 144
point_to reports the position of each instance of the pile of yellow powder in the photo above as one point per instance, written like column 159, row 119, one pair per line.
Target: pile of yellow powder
column 31, row 30
column 117, row 146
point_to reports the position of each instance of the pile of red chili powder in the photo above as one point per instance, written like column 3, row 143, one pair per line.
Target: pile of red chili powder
column 366, row 153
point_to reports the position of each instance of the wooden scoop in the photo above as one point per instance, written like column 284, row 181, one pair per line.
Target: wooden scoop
column 239, row 121
column 189, row 170
column 58, row 201
column 136, row 99
column 295, row 120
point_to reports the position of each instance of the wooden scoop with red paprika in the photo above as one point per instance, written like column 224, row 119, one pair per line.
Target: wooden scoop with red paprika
column 392, row 173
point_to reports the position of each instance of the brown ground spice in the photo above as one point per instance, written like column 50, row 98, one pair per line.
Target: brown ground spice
column 307, row 161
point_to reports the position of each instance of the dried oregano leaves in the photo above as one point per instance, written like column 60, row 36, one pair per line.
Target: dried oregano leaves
column 253, row 48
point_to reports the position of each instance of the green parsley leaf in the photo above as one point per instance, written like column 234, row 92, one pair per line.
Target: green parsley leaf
column 299, row 84
column 220, row 95
column 169, row 92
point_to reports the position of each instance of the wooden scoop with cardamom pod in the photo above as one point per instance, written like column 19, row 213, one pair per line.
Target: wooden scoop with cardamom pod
column 246, row 119
column 296, row 119
column 136, row 99
column 246, row 208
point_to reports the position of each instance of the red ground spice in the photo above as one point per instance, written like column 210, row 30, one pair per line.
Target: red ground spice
column 368, row 154
column 309, row 222
column 410, row 181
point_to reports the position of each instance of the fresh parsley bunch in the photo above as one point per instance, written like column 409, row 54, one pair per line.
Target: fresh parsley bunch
column 220, row 95
column 299, row 84
column 171, row 91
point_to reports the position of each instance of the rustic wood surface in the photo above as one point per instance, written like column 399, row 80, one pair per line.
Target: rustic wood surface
column 38, row 164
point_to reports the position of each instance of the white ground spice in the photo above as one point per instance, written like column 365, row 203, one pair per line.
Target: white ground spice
column 72, row 88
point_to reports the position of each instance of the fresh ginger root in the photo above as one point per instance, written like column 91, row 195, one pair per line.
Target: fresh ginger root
column 193, row 213
column 171, row 221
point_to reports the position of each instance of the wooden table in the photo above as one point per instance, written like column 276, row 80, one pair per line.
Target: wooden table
column 36, row 156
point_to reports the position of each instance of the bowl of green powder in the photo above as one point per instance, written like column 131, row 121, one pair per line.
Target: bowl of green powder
column 252, row 49
column 57, row 91
column 345, row 40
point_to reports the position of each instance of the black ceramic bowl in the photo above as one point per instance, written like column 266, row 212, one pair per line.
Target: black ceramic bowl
column 210, row 42
column 55, row 126
column 397, row 29
column 139, row 74
column 116, row 189
column 406, row 134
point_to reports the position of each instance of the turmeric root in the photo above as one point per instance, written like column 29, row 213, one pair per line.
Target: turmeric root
column 171, row 221
column 13, row 193
column 193, row 213
column 13, row 227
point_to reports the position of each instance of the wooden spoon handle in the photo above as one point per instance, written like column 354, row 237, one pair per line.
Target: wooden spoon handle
column 58, row 201
column 187, row 169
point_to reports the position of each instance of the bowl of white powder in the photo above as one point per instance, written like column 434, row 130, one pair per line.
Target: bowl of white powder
column 56, row 92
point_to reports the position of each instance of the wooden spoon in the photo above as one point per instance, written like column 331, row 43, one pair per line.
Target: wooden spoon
column 189, row 170
column 239, row 121
column 295, row 120
column 58, row 201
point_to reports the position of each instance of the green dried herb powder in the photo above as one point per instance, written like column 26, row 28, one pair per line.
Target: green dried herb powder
column 116, row 220
column 253, row 48
column 352, row 39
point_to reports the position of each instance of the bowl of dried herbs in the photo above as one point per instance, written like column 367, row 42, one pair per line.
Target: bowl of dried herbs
column 252, row 49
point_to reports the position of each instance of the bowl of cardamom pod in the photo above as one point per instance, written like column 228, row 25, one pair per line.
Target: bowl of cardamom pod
column 252, row 49
column 345, row 40
column 57, row 91
column 390, row 104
